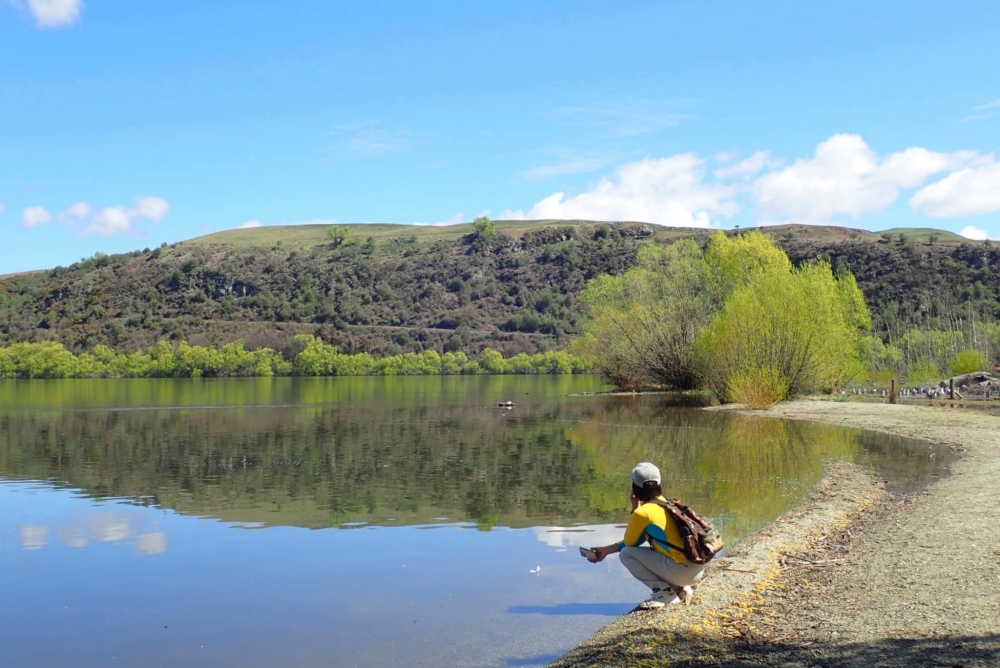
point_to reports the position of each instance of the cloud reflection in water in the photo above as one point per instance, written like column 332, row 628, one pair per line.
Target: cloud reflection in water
column 104, row 527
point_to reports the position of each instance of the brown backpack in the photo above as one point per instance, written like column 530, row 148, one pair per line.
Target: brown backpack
column 700, row 539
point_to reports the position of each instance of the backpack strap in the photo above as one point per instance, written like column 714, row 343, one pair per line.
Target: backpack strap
column 668, row 544
column 666, row 505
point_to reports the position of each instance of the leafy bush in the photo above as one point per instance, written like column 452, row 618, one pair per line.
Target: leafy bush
column 805, row 323
column 922, row 372
column 760, row 387
column 882, row 360
column 968, row 361
column 484, row 227
column 340, row 235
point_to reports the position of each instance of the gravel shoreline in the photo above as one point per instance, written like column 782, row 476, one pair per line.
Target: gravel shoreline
column 852, row 577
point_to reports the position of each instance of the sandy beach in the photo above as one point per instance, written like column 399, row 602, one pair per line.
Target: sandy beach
column 853, row 576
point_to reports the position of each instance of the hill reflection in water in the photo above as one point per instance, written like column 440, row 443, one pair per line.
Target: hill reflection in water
column 356, row 452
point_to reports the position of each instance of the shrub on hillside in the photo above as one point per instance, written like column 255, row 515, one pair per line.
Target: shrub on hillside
column 968, row 361
column 340, row 235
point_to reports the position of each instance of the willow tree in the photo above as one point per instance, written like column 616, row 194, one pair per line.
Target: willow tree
column 642, row 325
column 737, row 318
column 784, row 332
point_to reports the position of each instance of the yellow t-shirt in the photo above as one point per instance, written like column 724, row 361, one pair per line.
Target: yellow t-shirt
column 650, row 520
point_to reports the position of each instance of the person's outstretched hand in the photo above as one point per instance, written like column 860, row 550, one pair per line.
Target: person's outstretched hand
column 600, row 553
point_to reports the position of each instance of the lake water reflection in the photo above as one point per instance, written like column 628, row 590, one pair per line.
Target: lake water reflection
column 358, row 521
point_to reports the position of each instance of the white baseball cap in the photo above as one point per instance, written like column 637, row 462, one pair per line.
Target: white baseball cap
column 645, row 472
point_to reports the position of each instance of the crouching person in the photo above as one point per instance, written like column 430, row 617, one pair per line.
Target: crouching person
column 662, row 565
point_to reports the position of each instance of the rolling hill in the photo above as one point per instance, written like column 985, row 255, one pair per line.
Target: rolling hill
column 398, row 288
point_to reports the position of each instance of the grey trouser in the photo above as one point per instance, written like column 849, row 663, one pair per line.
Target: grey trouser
column 658, row 571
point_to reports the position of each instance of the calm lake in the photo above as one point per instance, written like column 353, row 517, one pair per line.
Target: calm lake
column 359, row 521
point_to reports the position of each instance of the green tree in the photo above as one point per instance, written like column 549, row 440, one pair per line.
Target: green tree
column 803, row 326
column 484, row 227
column 642, row 325
column 340, row 235
column 737, row 319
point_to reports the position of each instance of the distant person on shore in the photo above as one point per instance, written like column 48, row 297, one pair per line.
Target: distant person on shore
column 662, row 566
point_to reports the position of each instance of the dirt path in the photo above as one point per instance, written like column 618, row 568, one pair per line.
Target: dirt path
column 914, row 583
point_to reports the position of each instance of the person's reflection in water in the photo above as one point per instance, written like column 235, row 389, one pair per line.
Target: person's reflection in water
column 662, row 567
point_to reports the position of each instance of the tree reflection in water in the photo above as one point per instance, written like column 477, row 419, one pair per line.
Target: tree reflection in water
column 420, row 457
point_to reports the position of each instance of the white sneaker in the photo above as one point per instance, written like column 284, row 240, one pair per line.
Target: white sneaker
column 659, row 599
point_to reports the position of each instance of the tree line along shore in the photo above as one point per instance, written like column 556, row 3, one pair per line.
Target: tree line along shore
column 309, row 356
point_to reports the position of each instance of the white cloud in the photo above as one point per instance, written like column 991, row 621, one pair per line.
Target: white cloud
column 976, row 117
column 369, row 138
column 249, row 224
column 33, row 537
column 626, row 118
column 75, row 213
column 119, row 220
column 846, row 177
column 457, row 219
column 110, row 527
column 745, row 168
column 110, row 221
column 975, row 233
column 153, row 208
column 995, row 104
column 74, row 536
column 973, row 191
column 322, row 222
column 577, row 165
column 666, row 191
column 34, row 216
column 579, row 535
column 55, row 13
column 2, row 208
column 151, row 543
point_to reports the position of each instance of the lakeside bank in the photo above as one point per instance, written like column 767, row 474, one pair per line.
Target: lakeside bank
column 851, row 577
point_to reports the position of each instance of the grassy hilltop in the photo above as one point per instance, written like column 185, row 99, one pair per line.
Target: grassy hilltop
column 397, row 288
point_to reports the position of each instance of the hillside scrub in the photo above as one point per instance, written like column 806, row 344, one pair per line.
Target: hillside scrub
column 514, row 287
column 384, row 297
column 314, row 358
column 735, row 314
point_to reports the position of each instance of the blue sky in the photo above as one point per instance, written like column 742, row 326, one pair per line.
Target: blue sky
column 124, row 124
